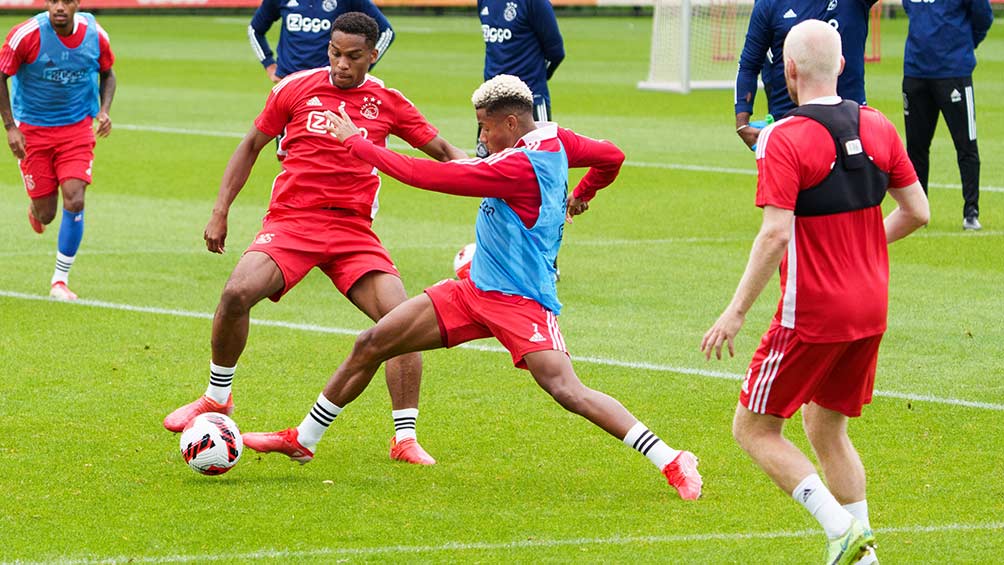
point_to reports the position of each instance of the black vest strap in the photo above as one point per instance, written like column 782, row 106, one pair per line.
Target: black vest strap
column 855, row 182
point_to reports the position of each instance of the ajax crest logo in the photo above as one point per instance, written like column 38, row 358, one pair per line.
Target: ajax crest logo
column 832, row 6
column 264, row 238
column 510, row 11
column 370, row 108
column 329, row 5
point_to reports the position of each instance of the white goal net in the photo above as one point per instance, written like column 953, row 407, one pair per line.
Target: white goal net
column 696, row 44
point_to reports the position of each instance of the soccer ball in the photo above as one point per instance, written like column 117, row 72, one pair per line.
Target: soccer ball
column 211, row 444
column 462, row 261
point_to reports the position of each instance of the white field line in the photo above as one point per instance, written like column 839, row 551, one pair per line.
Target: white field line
column 643, row 164
column 486, row 546
column 635, row 365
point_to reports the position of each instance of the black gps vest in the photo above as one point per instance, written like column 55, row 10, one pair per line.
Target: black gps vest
column 854, row 182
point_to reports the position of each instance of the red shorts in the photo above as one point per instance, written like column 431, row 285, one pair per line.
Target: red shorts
column 338, row 242
column 787, row 372
column 467, row 313
column 55, row 154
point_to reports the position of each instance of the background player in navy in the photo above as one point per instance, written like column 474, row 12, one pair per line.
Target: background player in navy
column 763, row 53
column 522, row 39
column 938, row 68
column 61, row 64
column 305, row 32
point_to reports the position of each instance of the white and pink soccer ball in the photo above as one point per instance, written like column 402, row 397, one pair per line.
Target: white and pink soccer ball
column 462, row 261
column 211, row 444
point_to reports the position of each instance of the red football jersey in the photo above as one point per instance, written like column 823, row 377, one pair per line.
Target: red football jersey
column 317, row 170
column 835, row 276
column 24, row 40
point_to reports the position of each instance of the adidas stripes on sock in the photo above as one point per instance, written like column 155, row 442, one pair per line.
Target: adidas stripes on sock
column 220, row 380
column 817, row 499
column 404, row 423
column 641, row 439
column 316, row 422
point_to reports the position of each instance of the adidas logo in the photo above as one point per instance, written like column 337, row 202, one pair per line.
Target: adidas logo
column 536, row 337
column 484, row 11
column 292, row 4
column 315, row 101
column 787, row 15
column 806, row 493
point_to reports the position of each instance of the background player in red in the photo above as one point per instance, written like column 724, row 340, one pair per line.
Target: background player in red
column 823, row 172
column 511, row 291
column 320, row 215
column 61, row 64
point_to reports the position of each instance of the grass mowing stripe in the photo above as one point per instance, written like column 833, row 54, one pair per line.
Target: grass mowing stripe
column 645, row 164
column 459, row 546
column 494, row 349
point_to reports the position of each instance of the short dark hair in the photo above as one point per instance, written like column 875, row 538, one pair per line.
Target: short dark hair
column 357, row 23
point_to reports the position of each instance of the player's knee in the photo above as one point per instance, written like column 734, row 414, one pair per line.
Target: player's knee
column 236, row 300
column 371, row 345
column 45, row 216
column 571, row 396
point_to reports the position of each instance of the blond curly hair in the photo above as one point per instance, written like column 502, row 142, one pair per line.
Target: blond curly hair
column 501, row 91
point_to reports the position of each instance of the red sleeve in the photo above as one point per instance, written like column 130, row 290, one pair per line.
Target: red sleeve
column 410, row 125
column 106, row 58
column 889, row 153
column 603, row 158
column 273, row 118
column 777, row 169
column 507, row 175
column 24, row 51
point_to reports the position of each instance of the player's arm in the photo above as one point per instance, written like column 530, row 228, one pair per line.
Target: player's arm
column 386, row 36
column 261, row 22
column 545, row 27
column 912, row 212
column 751, row 61
column 604, row 160
column 442, row 150
column 106, row 93
column 15, row 139
column 981, row 16
column 768, row 249
column 467, row 177
column 234, row 177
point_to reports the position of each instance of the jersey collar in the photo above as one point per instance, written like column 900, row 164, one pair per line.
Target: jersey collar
column 826, row 100
column 545, row 130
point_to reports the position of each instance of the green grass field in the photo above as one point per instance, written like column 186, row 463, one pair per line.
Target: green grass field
column 90, row 476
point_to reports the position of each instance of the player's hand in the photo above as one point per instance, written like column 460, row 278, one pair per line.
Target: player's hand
column 15, row 140
column 216, row 233
column 723, row 332
column 749, row 135
column 271, row 73
column 104, row 126
column 575, row 207
column 340, row 125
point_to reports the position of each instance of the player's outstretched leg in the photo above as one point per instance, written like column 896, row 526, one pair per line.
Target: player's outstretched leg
column 255, row 277
column 410, row 327
column 553, row 372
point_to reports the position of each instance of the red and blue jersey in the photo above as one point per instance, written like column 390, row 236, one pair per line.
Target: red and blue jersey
column 519, row 225
column 522, row 39
column 763, row 51
column 55, row 78
column 306, row 31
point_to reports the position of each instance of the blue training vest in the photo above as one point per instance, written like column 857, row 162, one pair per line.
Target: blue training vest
column 514, row 259
column 61, row 86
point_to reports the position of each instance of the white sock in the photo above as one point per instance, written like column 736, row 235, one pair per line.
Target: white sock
column 220, row 379
column 404, row 423
column 817, row 499
column 860, row 512
column 316, row 422
column 640, row 438
column 62, row 272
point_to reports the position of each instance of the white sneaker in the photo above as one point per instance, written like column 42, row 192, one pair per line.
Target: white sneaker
column 971, row 223
column 61, row 292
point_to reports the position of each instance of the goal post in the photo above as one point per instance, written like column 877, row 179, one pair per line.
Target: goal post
column 696, row 44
